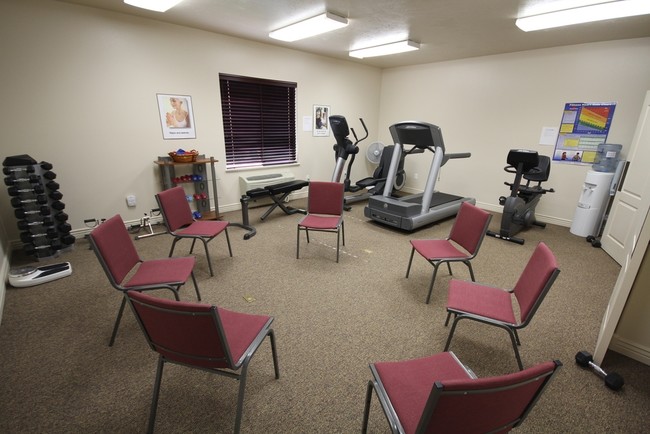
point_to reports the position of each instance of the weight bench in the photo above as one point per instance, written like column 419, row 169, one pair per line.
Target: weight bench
column 278, row 193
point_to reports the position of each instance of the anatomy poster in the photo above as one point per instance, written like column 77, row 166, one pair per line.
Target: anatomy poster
column 584, row 126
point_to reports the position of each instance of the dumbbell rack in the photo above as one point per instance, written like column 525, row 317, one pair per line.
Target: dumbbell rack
column 36, row 200
column 199, row 178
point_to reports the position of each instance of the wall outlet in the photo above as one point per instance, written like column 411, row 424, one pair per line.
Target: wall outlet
column 130, row 200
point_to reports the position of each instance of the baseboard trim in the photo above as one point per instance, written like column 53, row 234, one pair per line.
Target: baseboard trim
column 633, row 350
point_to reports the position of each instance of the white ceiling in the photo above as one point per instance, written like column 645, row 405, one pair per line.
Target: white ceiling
column 446, row 29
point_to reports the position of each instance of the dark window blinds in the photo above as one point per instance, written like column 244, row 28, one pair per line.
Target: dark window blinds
column 259, row 121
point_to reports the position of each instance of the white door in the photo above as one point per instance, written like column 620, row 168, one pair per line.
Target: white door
column 632, row 201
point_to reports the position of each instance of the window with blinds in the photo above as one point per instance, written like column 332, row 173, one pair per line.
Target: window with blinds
column 259, row 121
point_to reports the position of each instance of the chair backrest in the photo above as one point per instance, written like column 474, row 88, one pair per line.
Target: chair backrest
column 183, row 332
column 114, row 249
column 491, row 404
column 535, row 281
column 174, row 207
column 470, row 227
column 325, row 198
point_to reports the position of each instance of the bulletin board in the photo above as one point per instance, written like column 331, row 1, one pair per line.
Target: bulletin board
column 584, row 126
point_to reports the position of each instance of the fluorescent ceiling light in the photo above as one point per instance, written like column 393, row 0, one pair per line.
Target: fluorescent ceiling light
column 310, row 27
column 585, row 14
column 383, row 50
column 153, row 5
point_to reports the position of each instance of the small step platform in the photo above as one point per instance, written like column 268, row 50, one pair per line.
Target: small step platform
column 21, row 277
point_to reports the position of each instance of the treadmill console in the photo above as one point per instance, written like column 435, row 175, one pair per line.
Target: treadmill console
column 422, row 135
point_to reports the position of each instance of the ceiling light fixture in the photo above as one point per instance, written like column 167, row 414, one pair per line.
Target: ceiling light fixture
column 310, row 27
column 584, row 14
column 153, row 5
column 383, row 50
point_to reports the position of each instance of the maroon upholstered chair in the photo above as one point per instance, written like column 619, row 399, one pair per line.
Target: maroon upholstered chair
column 462, row 244
column 204, row 337
column 495, row 306
column 324, row 212
column 438, row 394
column 126, row 270
column 179, row 221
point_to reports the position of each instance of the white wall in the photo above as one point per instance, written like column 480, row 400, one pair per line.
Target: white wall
column 489, row 105
column 79, row 88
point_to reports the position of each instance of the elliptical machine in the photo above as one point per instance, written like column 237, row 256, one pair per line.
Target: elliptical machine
column 345, row 148
column 519, row 207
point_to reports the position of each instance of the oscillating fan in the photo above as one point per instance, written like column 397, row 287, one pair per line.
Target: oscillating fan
column 373, row 153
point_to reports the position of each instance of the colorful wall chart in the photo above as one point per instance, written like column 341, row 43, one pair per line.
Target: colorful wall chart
column 584, row 126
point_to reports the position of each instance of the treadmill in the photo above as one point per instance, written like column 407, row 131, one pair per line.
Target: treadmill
column 416, row 210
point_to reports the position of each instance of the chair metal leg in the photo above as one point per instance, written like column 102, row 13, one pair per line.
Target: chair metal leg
column 447, row 320
column 156, row 392
column 451, row 332
column 471, row 270
column 298, row 243
column 171, row 251
column 240, row 398
column 228, row 240
column 207, row 254
column 449, row 268
column 117, row 321
column 516, row 336
column 338, row 237
column 366, row 411
column 513, row 339
column 274, row 352
column 433, row 279
column 343, row 231
column 196, row 287
column 408, row 269
column 192, row 247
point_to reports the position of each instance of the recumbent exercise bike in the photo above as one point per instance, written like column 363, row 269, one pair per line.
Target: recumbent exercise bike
column 519, row 207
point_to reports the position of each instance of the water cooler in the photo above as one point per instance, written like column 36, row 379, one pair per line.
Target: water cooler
column 599, row 186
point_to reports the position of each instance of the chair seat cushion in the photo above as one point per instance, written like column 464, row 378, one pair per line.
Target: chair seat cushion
column 312, row 221
column 241, row 330
column 477, row 299
column 203, row 228
column 437, row 249
column 408, row 383
column 171, row 271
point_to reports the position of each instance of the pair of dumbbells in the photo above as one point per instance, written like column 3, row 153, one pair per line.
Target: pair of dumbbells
column 612, row 380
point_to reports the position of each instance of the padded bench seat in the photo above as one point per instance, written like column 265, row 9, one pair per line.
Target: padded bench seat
column 278, row 193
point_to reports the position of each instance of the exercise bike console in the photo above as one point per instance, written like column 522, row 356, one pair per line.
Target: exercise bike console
column 519, row 207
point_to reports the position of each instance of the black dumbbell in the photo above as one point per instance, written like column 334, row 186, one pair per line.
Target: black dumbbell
column 61, row 217
column 12, row 180
column 49, row 175
column 56, row 195
column 24, row 225
column 46, row 166
column 52, row 185
column 40, row 251
column 17, row 202
column 612, row 380
column 28, row 237
column 21, row 213
column 10, row 170
column 15, row 191
column 68, row 239
column 64, row 228
column 57, row 205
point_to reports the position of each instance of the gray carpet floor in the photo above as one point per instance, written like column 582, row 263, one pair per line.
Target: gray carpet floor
column 58, row 374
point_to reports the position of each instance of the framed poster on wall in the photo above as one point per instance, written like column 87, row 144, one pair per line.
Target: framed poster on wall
column 584, row 126
column 176, row 116
column 321, row 127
